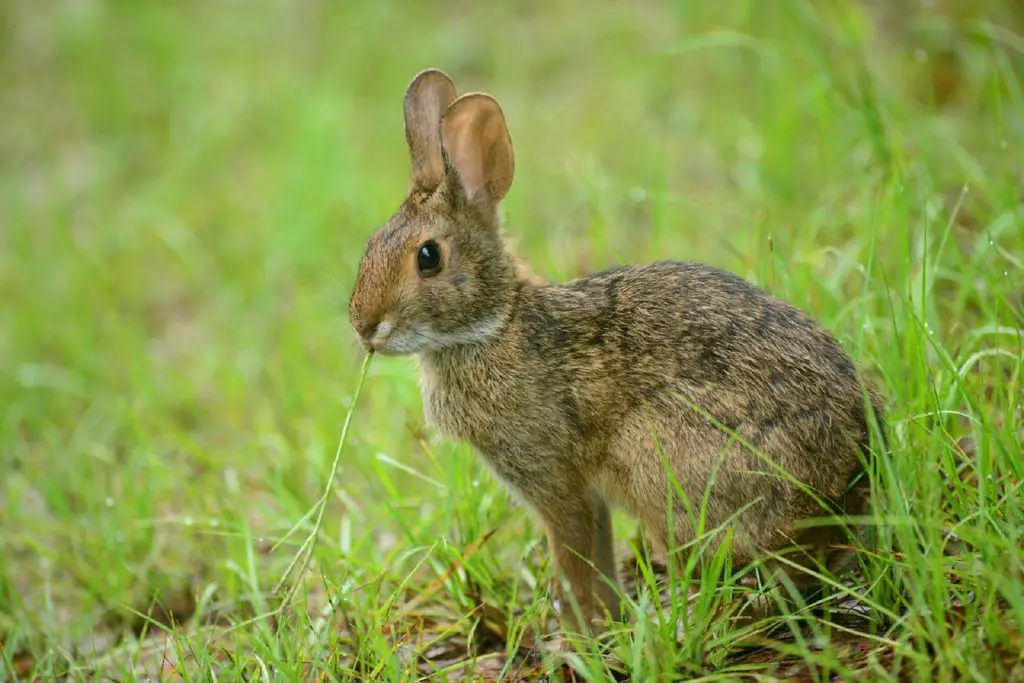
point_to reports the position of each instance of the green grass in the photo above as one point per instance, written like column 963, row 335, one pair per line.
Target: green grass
column 187, row 188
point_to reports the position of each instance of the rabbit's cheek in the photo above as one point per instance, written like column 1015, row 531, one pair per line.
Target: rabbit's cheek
column 405, row 342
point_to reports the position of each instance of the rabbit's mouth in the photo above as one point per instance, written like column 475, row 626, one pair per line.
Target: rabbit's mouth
column 388, row 340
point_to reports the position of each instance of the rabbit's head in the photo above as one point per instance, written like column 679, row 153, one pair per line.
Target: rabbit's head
column 437, row 274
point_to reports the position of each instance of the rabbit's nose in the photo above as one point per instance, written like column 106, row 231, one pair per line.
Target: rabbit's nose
column 373, row 333
column 367, row 329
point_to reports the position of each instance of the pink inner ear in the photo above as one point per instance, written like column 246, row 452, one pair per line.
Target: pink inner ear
column 474, row 135
column 467, row 155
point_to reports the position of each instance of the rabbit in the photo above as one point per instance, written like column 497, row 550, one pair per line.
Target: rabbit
column 619, row 389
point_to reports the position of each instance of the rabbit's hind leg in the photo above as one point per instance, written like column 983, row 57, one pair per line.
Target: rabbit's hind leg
column 604, row 560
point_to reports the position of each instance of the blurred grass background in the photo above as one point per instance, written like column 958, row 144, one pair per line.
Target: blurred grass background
column 187, row 188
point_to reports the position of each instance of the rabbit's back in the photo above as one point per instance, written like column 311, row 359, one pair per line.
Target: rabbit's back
column 650, row 334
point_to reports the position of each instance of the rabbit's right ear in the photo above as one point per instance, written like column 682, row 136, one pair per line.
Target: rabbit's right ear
column 478, row 148
column 426, row 100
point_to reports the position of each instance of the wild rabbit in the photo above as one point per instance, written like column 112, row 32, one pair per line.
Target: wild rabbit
column 574, row 393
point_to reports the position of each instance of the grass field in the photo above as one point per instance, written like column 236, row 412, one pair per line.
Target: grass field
column 187, row 188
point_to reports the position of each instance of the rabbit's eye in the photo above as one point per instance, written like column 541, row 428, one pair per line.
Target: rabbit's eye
column 428, row 258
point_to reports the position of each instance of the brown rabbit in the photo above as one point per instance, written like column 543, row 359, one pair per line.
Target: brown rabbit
column 574, row 393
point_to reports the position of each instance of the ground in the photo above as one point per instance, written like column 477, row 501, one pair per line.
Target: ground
column 187, row 188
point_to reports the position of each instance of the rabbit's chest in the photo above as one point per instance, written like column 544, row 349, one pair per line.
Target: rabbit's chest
column 465, row 413
column 477, row 401
column 513, row 437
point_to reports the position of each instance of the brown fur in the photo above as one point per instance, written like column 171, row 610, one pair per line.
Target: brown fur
column 571, row 392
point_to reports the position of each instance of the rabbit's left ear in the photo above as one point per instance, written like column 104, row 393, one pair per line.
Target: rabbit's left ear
column 478, row 148
column 426, row 100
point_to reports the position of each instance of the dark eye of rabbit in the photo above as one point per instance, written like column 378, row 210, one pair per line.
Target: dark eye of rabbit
column 428, row 258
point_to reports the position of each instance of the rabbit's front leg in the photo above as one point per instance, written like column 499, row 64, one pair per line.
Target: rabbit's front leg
column 580, row 537
column 571, row 536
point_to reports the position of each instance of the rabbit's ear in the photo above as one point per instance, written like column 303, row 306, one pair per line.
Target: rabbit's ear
column 478, row 148
column 426, row 100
